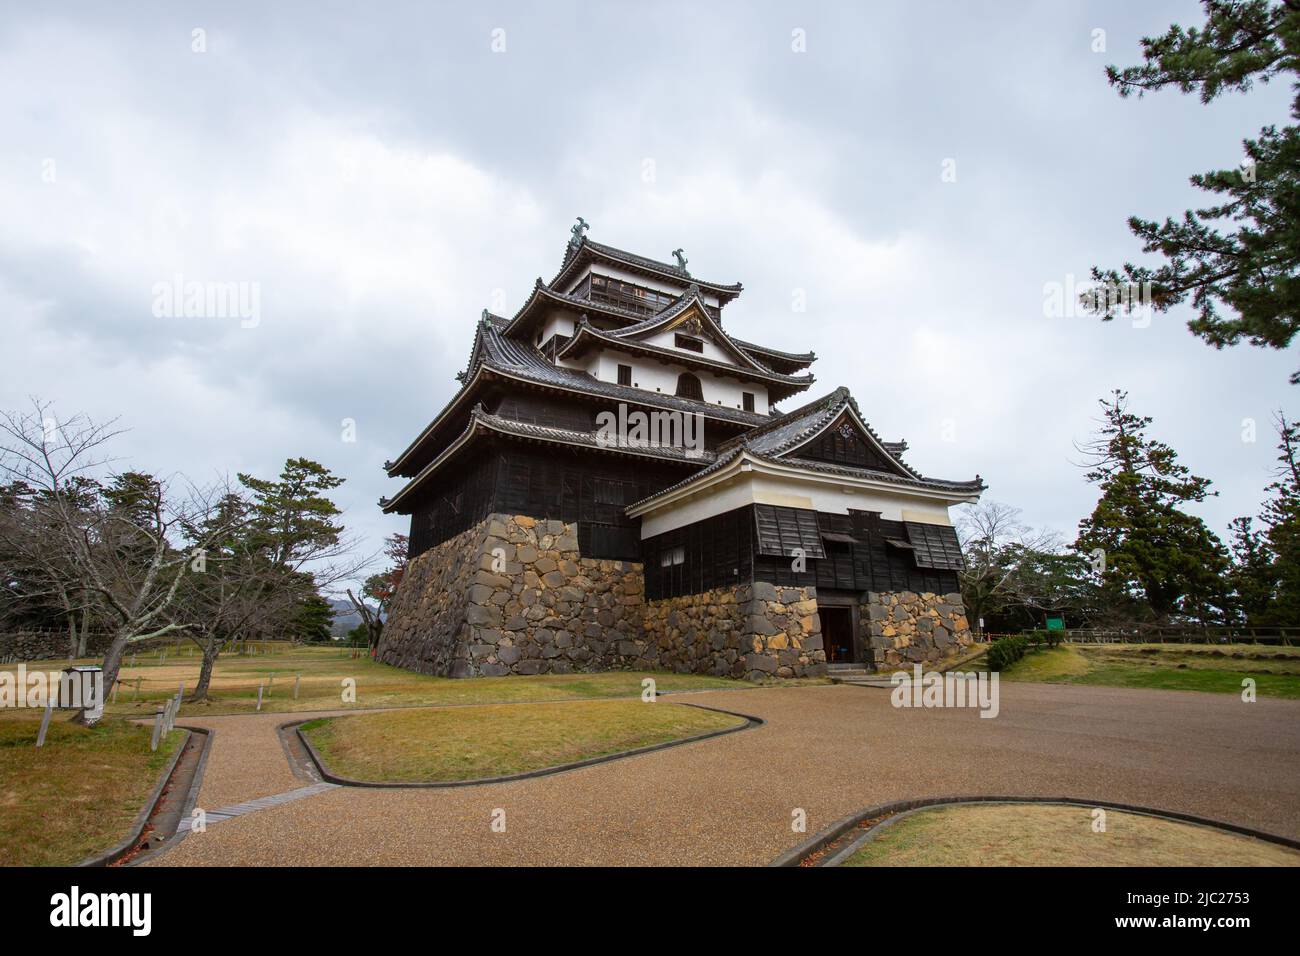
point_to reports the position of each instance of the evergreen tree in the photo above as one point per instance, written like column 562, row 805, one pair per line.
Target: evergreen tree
column 1242, row 251
column 1281, row 519
column 1152, row 548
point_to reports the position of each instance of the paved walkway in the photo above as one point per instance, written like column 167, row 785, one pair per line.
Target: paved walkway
column 827, row 750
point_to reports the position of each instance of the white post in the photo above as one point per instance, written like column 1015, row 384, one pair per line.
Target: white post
column 116, row 684
column 297, row 681
column 259, row 696
column 45, row 721
column 270, row 686
column 157, row 728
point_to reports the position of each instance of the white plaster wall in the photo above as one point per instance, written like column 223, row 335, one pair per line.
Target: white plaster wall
column 651, row 375
column 750, row 488
column 668, row 340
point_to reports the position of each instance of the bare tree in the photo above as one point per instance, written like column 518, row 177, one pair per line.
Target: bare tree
column 120, row 547
column 994, row 542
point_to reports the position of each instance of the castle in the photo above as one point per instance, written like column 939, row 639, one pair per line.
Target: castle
column 613, row 486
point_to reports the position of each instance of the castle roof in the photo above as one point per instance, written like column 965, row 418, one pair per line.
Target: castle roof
column 777, row 441
column 481, row 422
column 584, row 251
column 496, row 354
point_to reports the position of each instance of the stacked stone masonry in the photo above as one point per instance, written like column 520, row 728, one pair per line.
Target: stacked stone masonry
column 908, row 628
column 513, row 595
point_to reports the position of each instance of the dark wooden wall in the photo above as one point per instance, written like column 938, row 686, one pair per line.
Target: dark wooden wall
column 850, row 449
column 724, row 551
column 590, row 488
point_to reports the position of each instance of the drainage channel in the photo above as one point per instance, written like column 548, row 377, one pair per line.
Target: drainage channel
column 173, row 804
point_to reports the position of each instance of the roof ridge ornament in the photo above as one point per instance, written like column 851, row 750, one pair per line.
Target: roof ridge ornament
column 578, row 232
column 680, row 256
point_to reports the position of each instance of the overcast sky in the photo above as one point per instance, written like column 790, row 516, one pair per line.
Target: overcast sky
column 380, row 174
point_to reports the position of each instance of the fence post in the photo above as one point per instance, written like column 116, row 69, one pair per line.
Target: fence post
column 297, row 682
column 45, row 721
column 157, row 728
column 259, row 697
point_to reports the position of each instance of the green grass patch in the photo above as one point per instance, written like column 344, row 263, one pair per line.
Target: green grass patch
column 1199, row 667
column 80, row 793
column 1054, row 835
column 468, row 743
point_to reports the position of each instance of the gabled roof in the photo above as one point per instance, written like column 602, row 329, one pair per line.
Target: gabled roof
column 776, row 442
column 575, row 254
column 784, row 435
column 633, row 339
column 544, row 296
column 496, row 354
column 796, row 360
column 481, row 422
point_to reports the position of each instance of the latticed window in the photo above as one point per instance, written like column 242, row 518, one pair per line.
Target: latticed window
column 688, row 386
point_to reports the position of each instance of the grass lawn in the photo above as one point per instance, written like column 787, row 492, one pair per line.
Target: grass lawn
column 1052, row 835
column 1203, row 667
column 323, row 669
column 77, row 795
column 467, row 743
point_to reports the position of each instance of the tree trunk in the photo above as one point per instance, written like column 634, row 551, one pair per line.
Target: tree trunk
column 84, row 641
column 113, row 659
column 72, row 636
column 210, row 652
column 112, row 664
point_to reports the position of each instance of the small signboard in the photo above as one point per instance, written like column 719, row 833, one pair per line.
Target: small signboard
column 1056, row 623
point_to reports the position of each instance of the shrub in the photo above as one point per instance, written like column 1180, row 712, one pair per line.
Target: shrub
column 1005, row 651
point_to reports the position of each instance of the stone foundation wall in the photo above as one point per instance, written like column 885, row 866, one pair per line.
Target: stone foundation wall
column 749, row 631
column 513, row 595
column 904, row 627
column 426, row 629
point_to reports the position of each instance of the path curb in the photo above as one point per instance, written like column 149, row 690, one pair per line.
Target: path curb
column 750, row 722
column 796, row 856
column 119, row 850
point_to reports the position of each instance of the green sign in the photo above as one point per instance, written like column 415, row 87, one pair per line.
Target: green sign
column 1056, row 623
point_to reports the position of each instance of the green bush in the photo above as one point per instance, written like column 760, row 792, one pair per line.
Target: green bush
column 1005, row 651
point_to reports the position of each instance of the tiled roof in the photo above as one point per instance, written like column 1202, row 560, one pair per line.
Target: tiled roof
column 479, row 420
column 769, row 442
column 630, row 337
column 520, row 358
column 510, row 356
column 573, row 252
column 799, row 358
column 543, row 292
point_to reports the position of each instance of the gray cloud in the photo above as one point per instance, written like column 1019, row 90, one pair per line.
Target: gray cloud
column 382, row 178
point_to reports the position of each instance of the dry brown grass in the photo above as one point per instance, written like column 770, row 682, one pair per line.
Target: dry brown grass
column 77, row 795
column 467, row 743
column 323, row 669
column 1056, row 835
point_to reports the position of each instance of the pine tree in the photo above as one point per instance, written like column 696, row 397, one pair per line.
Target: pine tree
column 1243, row 252
column 1281, row 520
column 1152, row 548
column 1254, row 574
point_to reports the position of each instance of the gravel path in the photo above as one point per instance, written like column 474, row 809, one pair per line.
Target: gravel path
column 827, row 750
